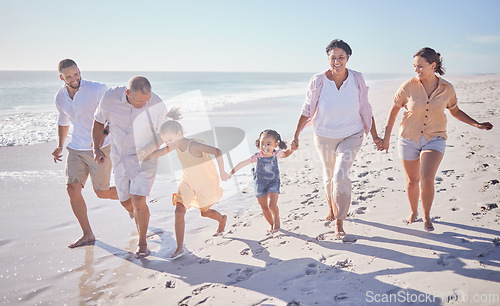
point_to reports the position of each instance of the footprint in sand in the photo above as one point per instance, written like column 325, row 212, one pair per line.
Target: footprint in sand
column 343, row 264
column 245, row 251
column 340, row 296
column 448, row 173
column 170, row 284
column 489, row 184
column 200, row 289
column 444, row 259
column 240, row 275
column 184, row 301
column 312, row 269
column 363, row 174
column 360, row 210
column 205, row 260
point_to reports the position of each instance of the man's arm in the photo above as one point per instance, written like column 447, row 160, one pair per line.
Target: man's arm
column 97, row 140
column 62, row 133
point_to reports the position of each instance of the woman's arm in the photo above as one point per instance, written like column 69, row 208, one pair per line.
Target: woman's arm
column 197, row 147
column 393, row 113
column 462, row 116
column 377, row 140
column 240, row 165
column 300, row 125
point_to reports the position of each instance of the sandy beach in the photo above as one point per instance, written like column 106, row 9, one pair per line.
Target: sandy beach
column 381, row 260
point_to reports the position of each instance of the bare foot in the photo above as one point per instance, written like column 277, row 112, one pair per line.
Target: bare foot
column 178, row 253
column 222, row 226
column 277, row 226
column 330, row 217
column 339, row 228
column 142, row 251
column 411, row 218
column 428, row 225
column 84, row 240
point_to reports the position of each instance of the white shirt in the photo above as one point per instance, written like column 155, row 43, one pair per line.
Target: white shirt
column 130, row 128
column 338, row 109
column 79, row 111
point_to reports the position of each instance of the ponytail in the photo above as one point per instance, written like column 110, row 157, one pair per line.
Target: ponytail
column 172, row 126
column 175, row 113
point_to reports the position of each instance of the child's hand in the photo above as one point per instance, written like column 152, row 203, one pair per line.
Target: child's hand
column 224, row 176
column 142, row 154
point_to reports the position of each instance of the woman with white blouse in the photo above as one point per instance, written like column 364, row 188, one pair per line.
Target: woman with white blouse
column 337, row 106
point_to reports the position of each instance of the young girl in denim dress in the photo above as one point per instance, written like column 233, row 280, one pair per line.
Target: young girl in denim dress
column 266, row 174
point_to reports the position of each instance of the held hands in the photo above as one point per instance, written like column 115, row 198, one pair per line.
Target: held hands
column 384, row 145
column 99, row 156
column 57, row 154
column 379, row 142
column 224, row 176
column 484, row 126
column 142, row 155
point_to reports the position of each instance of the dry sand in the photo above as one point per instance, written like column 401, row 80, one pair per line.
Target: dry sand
column 381, row 257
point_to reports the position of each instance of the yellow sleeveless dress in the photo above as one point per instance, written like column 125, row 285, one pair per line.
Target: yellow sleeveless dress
column 199, row 185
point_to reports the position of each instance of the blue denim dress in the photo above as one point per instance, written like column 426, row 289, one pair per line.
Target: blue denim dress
column 266, row 175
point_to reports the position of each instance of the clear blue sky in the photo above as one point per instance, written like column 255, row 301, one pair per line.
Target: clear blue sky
column 270, row 35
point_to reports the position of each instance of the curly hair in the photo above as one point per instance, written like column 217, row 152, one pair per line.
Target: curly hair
column 338, row 43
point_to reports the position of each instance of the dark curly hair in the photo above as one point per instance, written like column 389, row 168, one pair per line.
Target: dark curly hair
column 277, row 137
column 338, row 43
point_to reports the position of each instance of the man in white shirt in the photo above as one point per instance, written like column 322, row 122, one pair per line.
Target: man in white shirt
column 76, row 103
column 134, row 115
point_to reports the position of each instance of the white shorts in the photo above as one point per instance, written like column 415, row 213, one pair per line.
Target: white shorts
column 140, row 185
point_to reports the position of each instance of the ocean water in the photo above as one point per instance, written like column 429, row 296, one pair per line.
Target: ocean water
column 28, row 115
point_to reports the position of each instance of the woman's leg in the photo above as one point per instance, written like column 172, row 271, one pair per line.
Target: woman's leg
column 429, row 161
column 327, row 153
column 412, row 173
column 264, row 205
column 180, row 211
column 273, row 206
column 346, row 153
column 215, row 215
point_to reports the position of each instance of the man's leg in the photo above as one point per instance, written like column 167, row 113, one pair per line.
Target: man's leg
column 107, row 194
column 141, row 215
column 80, row 210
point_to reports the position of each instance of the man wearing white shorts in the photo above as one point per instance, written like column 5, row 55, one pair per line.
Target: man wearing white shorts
column 76, row 103
column 134, row 115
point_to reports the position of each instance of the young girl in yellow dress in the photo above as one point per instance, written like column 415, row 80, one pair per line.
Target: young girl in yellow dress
column 199, row 185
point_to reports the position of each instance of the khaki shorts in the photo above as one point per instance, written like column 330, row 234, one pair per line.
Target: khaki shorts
column 81, row 163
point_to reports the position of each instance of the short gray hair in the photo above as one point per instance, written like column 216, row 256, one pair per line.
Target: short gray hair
column 139, row 83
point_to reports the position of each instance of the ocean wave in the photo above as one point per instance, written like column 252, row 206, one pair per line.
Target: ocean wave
column 30, row 125
column 28, row 128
